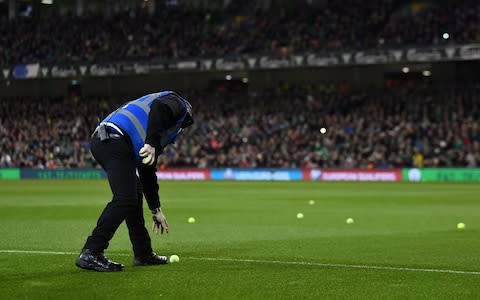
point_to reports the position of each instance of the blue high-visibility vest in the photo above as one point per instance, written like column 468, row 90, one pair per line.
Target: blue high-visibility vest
column 132, row 118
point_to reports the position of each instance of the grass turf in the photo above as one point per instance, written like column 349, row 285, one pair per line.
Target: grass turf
column 398, row 225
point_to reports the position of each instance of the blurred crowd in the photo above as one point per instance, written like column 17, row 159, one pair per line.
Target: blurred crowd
column 47, row 133
column 176, row 32
column 399, row 127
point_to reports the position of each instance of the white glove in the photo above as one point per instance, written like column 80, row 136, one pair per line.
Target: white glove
column 160, row 223
column 148, row 154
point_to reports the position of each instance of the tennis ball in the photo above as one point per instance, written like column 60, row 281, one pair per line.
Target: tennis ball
column 145, row 160
column 191, row 220
column 174, row 258
column 323, row 130
column 349, row 221
column 461, row 225
column 311, row 202
column 299, row 216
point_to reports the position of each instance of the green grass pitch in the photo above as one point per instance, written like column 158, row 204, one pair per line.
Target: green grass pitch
column 247, row 242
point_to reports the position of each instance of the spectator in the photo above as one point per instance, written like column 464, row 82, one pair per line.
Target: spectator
column 403, row 127
column 178, row 32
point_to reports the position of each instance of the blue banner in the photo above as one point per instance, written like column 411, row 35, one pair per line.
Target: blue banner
column 26, row 71
column 256, row 174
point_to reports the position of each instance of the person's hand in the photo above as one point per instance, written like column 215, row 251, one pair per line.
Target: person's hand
column 160, row 224
column 148, row 154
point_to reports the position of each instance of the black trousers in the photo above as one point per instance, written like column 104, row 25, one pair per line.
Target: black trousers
column 116, row 157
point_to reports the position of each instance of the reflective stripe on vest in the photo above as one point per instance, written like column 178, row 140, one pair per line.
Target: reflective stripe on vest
column 133, row 118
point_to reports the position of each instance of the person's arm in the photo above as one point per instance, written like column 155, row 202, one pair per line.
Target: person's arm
column 149, row 182
column 160, row 118
column 148, row 178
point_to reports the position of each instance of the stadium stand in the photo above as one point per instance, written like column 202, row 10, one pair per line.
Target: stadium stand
column 400, row 127
column 177, row 32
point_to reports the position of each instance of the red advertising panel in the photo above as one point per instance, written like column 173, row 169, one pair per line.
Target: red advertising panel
column 352, row 175
column 183, row 174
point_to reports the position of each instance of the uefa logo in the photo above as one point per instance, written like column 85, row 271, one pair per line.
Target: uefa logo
column 228, row 174
column 315, row 174
column 414, row 175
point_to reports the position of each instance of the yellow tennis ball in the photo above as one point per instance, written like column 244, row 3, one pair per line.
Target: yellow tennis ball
column 461, row 225
column 174, row 259
column 300, row 216
column 349, row 221
column 191, row 220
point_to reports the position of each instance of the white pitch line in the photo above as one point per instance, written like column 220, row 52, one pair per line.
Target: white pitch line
column 49, row 252
column 330, row 265
column 37, row 252
column 278, row 262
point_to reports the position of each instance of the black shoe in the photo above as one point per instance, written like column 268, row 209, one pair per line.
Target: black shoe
column 150, row 260
column 90, row 260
